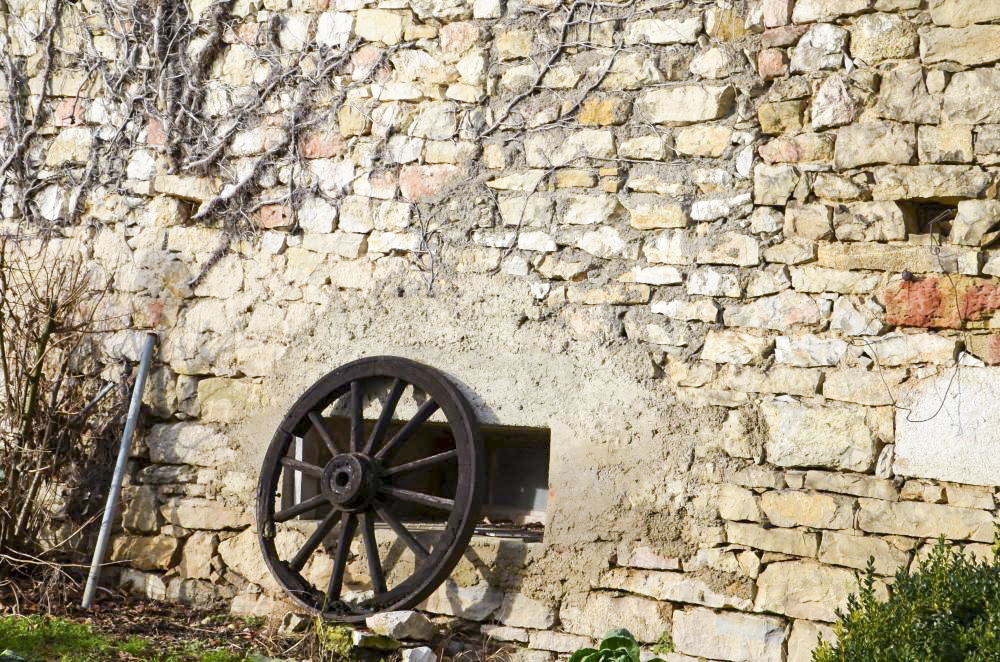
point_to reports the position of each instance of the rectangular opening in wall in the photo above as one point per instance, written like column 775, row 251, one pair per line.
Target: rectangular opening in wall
column 929, row 218
column 517, row 475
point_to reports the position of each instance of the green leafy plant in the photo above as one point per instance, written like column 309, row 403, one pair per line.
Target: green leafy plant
column 947, row 610
column 617, row 646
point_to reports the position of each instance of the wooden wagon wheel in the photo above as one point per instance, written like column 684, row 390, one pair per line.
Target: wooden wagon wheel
column 359, row 480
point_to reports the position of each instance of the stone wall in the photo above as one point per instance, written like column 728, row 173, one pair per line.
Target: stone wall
column 736, row 258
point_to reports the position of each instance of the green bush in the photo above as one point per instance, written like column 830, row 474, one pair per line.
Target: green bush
column 617, row 646
column 947, row 610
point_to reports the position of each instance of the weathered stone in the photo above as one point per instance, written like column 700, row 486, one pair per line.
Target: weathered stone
column 976, row 223
column 188, row 443
column 804, row 589
column 945, row 144
column 736, row 503
column 801, row 148
column 714, row 283
column 821, row 279
column 536, row 241
column 590, row 615
column 379, row 25
column 544, row 150
column 703, row 140
column 812, row 436
column 146, row 552
column 876, row 388
column 203, row 514
column 972, row 45
column 401, row 625
column 713, row 210
column 773, row 185
column 878, row 37
column 559, row 642
column 973, row 97
column 854, row 551
column 734, row 347
column 818, row 511
column 663, row 31
column 670, row 247
column 197, row 189
column 642, row 147
column 809, row 11
column 898, row 258
column 821, row 47
column 864, row 318
column 139, row 510
column 924, row 520
column 836, row 103
column 778, row 379
column 732, row 248
column 903, row 349
column 785, row 35
column 520, row 610
column 965, row 496
column 196, row 559
column 780, row 541
column 71, row 145
column 962, row 12
column 772, row 63
column 872, row 221
column 729, row 636
column 876, row 142
column 475, row 603
column 425, row 183
column 811, row 221
column 146, row 584
column 686, row 104
column 225, row 400
column 717, row 62
column 953, row 439
column 654, row 276
column 671, row 586
column 649, row 212
column 803, row 638
column 781, row 312
column 837, row 188
column 781, row 116
column 903, row 96
column 604, row 242
column 809, row 351
column 856, row 484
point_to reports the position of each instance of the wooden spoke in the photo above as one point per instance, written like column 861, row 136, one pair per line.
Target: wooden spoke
column 426, row 411
column 408, row 538
column 299, row 508
column 371, row 551
column 420, row 464
column 299, row 560
column 304, row 467
column 429, row 500
column 357, row 422
column 324, row 432
column 340, row 558
column 385, row 418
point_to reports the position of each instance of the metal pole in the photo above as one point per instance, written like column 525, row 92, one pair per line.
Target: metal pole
column 116, row 481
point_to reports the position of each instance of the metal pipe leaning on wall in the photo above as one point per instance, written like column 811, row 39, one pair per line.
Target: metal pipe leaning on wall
column 114, row 493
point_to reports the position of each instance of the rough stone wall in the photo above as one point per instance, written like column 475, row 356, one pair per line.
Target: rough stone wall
column 735, row 257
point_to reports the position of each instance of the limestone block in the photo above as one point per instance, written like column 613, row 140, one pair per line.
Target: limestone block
column 717, row 62
column 418, row 654
column 856, row 484
column 811, row 221
column 972, row 45
column 878, row 37
column 560, row 642
column 669, row 247
column 853, row 318
column 837, row 188
column 796, row 508
column 875, row 142
column 854, row 551
column 821, row 47
column 903, row 96
column 71, row 145
column 835, row 103
column 780, row 312
column 146, row 584
column 738, row 504
column 732, row 248
column 703, row 140
column 872, row 221
column 475, row 603
column 672, row 586
column 186, row 187
column 958, row 443
column 513, row 44
column 663, row 31
column 401, row 625
column 614, row 293
column 813, row 436
column 590, row 615
column 962, row 12
column 226, row 400
column 642, row 147
column 714, row 283
column 536, row 241
column 145, row 552
column 896, row 349
column 604, row 242
column 945, row 144
column 801, row 148
column 781, row 541
column 379, row 25
column 768, row 281
column 898, row 257
column 779, row 379
column 809, row 11
column 729, row 636
column 520, row 610
column 686, row 104
column 772, row 63
column 774, row 184
column 776, row 13
column 925, row 520
column 426, row 183
column 781, row 116
column 139, row 510
column 653, row 276
column 821, row 279
column 737, row 206
column 874, row 388
column 735, row 347
column 973, row 97
column 651, row 212
column 333, row 29
column 809, row 351
column 976, row 223
column 196, row 559
column 803, row 638
column 804, row 589
column 206, row 514
column 188, row 443
column 591, row 209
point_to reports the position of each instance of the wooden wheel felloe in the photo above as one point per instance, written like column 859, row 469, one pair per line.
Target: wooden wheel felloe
column 356, row 517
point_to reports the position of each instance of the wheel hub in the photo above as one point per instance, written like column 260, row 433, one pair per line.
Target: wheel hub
column 349, row 481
